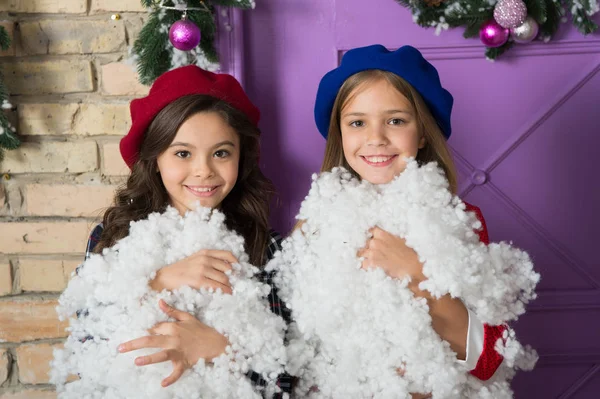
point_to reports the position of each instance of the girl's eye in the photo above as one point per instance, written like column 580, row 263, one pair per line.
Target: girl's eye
column 396, row 121
column 357, row 123
column 183, row 154
column 221, row 153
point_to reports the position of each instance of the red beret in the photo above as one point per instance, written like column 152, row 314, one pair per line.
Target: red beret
column 175, row 84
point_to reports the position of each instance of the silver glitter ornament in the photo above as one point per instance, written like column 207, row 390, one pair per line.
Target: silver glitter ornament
column 510, row 13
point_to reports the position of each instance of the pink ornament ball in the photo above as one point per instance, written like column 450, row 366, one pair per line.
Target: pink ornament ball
column 492, row 34
column 184, row 35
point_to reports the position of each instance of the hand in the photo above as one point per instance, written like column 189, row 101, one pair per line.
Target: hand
column 391, row 253
column 401, row 372
column 449, row 316
column 204, row 269
column 184, row 342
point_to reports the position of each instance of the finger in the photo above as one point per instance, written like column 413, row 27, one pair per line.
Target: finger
column 218, row 276
column 215, row 285
column 220, row 264
column 222, row 255
column 367, row 253
column 370, row 253
column 150, row 341
column 174, row 313
column 163, row 328
column 175, row 375
column 211, row 262
column 376, row 231
column 380, row 234
column 208, row 282
column 205, row 281
column 371, row 260
column 367, row 263
column 159, row 357
column 373, row 243
column 384, row 235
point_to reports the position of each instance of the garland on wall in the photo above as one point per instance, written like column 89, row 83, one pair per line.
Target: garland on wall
column 500, row 24
column 8, row 139
column 178, row 33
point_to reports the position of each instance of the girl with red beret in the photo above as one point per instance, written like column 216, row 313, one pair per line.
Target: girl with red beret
column 194, row 138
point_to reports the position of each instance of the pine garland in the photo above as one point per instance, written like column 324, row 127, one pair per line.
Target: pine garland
column 152, row 49
column 8, row 140
column 472, row 14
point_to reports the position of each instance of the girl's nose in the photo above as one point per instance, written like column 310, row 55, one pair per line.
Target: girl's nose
column 377, row 136
column 203, row 168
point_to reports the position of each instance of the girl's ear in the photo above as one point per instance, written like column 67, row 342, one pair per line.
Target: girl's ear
column 422, row 142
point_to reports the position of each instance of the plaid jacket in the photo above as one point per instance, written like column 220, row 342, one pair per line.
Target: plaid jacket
column 277, row 306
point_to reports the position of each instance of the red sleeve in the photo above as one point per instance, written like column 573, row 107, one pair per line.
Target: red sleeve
column 483, row 233
column 489, row 360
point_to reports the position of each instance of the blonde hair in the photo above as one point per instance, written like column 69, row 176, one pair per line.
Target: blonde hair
column 435, row 149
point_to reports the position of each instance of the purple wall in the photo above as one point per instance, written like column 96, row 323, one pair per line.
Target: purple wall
column 528, row 123
column 283, row 41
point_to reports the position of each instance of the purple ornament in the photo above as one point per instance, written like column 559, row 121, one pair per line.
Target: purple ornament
column 510, row 13
column 492, row 34
column 184, row 35
column 526, row 32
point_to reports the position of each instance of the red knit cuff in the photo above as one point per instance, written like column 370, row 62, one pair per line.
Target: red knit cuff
column 490, row 359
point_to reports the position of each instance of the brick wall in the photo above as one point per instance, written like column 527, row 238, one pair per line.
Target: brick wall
column 70, row 88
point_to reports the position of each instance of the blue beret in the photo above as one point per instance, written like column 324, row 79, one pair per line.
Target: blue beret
column 406, row 62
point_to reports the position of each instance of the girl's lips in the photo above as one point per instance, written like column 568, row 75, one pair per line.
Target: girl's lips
column 378, row 160
column 202, row 191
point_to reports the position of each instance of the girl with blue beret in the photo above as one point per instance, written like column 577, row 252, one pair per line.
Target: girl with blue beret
column 347, row 113
column 378, row 110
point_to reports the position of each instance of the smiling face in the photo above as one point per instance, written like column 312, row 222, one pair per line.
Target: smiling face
column 379, row 129
column 201, row 164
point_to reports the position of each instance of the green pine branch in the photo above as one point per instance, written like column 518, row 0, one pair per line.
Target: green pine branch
column 580, row 16
column 537, row 9
column 3, row 91
column 472, row 30
column 471, row 14
column 151, row 48
column 208, row 30
column 4, row 39
column 492, row 53
column 243, row 4
column 8, row 139
column 553, row 15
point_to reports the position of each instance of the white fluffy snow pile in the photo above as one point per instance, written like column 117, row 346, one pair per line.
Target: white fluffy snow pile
column 119, row 306
column 354, row 328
